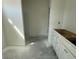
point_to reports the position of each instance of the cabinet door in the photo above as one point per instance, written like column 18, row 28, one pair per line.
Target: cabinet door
column 65, row 53
column 69, row 45
column 62, row 51
column 58, row 48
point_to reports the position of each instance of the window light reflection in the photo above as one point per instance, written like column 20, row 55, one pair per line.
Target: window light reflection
column 16, row 28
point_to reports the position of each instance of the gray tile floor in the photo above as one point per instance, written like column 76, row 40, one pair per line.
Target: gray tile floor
column 39, row 49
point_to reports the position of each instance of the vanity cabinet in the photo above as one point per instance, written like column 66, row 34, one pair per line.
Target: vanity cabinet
column 63, row 48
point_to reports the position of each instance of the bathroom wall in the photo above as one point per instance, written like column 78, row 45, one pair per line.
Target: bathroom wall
column 56, row 13
column 69, row 21
column 63, row 14
column 35, row 13
column 4, row 44
column 13, row 22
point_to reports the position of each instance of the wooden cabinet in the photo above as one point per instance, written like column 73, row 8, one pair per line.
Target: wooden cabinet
column 63, row 49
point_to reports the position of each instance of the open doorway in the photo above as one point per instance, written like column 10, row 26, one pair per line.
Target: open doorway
column 35, row 16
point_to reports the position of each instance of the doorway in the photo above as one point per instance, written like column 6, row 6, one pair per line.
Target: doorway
column 35, row 17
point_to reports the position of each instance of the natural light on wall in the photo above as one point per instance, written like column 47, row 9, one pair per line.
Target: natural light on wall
column 16, row 28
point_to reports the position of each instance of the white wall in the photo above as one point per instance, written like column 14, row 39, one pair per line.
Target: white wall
column 36, row 14
column 69, row 21
column 56, row 13
column 4, row 44
column 13, row 22
column 63, row 11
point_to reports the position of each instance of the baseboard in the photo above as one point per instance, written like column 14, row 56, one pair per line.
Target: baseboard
column 40, row 36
